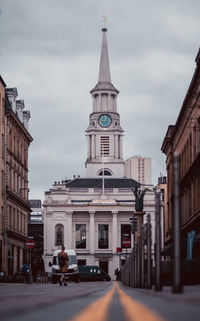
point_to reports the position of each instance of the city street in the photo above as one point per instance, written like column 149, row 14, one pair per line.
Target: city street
column 96, row 301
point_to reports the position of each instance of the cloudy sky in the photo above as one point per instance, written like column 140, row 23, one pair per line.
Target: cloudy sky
column 50, row 51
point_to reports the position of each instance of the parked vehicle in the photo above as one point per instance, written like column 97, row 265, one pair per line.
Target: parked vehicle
column 72, row 273
column 93, row 273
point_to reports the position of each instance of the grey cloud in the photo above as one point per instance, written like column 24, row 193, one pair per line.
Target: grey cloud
column 50, row 51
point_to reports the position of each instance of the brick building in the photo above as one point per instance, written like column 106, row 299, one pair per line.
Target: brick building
column 14, row 212
column 184, row 137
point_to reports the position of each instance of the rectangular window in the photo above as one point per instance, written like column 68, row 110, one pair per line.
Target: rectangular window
column 103, row 236
column 104, row 145
column 125, row 235
column 81, row 236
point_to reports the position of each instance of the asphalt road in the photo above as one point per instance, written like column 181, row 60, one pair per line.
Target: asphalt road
column 95, row 301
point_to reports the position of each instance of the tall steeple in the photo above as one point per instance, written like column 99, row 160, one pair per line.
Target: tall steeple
column 104, row 68
column 104, row 132
column 104, row 80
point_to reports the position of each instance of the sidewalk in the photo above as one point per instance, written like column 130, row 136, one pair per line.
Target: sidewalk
column 191, row 293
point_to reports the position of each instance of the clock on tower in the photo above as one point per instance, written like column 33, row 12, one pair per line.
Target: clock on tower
column 105, row 120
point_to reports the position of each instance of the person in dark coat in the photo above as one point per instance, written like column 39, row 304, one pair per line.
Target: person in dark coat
column 63, row 260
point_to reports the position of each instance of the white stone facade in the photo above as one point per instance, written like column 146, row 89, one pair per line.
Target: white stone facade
column 69, row 206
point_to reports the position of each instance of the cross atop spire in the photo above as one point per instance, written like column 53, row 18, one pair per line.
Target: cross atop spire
column 104, row 68
column 104, row 21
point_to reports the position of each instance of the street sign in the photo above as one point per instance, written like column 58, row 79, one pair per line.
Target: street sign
column 118, row 249
column 30, row 244
column 126, row 242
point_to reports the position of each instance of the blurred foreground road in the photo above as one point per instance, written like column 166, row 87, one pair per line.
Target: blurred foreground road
column 96, row 301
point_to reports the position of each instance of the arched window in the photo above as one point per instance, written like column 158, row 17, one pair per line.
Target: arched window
column 59, row 234
column 106, row 173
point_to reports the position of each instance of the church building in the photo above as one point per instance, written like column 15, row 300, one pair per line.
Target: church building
column 91, row 214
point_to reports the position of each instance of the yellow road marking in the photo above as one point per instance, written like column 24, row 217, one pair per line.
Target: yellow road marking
column 136, row 311
column 98, row 310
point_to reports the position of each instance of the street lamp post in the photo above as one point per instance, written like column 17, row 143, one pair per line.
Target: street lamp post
column 158, row 242
column 177, row 285
column 149, row 285
column 142, row 258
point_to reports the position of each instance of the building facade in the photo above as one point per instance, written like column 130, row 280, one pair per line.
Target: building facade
column 36, row 227
column 78, row 214
column 138, row 168
column 16, row 141
column 91, row 215
column 2, row 167
column 184, row 138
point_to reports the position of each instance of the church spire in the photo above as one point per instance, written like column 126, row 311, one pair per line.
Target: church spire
column 104, row 68
column 104, row 133
column 104, row 80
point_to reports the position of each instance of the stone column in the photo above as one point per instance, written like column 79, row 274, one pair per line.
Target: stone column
column 114, row 231
column 93, row 147
column 116, row 146
column 88, row 146
column 121, row 150
column 109, row 103
column 92, row 232
column 69, row 231
column 99, row 103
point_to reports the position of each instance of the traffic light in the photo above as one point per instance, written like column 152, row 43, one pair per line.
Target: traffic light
column 133, row 224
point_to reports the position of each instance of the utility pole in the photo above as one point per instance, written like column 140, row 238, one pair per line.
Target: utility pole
column 158, row 242
column 142, row 258
column 149, row 285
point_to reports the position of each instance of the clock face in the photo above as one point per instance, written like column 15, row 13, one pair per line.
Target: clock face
column 105, row 120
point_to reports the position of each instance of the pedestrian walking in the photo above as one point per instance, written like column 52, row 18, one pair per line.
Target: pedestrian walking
column 34, row 269
column 63, row 260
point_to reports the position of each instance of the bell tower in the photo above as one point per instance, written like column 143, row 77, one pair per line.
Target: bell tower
column 104, row 134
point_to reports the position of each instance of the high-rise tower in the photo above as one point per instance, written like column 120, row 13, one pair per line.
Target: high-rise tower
column 104, row 134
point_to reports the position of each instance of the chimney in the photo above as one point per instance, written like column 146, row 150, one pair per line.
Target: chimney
column 74, row 176
column 12, row 95
column 26, row 117
column 19, row 109
column 78, row 176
